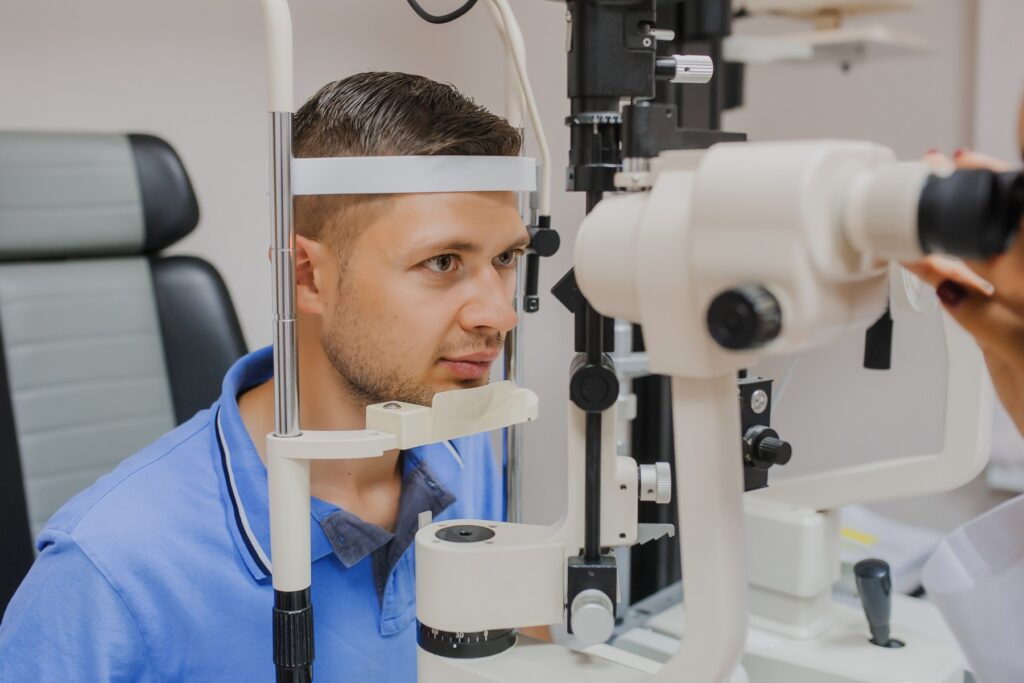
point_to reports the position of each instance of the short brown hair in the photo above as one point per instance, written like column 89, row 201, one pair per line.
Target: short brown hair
column 386, row 114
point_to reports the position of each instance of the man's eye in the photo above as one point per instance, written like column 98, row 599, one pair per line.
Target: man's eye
column 444, row 263
column 508, row 258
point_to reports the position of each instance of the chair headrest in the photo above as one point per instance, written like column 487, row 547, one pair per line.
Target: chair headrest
column 78, row 194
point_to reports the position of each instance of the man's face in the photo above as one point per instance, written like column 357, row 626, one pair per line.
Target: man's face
column 425, row 297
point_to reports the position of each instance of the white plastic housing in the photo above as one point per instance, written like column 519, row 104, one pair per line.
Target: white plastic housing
column 518, row 577
column 278, row 21
column 737, row 214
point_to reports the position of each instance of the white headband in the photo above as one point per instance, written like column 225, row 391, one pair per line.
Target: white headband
column 401, row 174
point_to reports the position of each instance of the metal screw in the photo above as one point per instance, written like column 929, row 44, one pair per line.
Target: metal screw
column 392, row 406
column 759, row 401
column 647, row 42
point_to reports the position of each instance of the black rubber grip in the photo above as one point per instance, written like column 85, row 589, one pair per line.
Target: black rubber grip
column 293, row 630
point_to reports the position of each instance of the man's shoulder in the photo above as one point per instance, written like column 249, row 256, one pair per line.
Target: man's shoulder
column 141, row 487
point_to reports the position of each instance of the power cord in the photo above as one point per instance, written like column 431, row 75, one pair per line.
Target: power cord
column 444, row 18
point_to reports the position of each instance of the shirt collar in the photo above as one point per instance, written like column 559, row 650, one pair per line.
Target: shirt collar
column 353, row 539
column 245, row 475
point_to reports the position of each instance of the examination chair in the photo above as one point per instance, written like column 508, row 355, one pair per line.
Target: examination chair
column 105, row 343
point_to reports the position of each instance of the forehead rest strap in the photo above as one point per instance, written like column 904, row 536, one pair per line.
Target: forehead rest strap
column 404, row 174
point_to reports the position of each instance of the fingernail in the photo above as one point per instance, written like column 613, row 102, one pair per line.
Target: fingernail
column 951, row 293
column 960, row 151
column 931, row 151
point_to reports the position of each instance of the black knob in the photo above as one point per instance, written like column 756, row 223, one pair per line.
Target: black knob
column 763, row 448
column 744, row 317
column 774, row 451
column 874, row 584
column 544, row 241
column 593, row 387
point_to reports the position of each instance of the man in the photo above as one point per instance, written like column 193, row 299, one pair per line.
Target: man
column 161, row 570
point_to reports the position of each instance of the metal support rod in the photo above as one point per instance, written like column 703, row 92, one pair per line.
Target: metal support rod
column 592, row 490
column 288, row 481
column 286, row 374
column 513, row 436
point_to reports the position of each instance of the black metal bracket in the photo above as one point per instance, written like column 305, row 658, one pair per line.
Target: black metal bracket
column 584, row 575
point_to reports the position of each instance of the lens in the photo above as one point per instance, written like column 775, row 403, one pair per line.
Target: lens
column 972, row 213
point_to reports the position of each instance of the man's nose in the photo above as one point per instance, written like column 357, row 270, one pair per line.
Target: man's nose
column 490, row 304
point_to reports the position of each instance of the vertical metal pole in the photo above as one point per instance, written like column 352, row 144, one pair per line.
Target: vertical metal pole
column 592, row 467
column 286, row 373
column 288, row 478
column 512, row 444
column 513, row 436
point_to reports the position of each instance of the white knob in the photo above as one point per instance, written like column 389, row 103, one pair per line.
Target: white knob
column 693, row 69
column 655, row 482
column 593, row 617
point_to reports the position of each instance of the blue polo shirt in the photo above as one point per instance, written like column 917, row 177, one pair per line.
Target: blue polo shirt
column 161, row 570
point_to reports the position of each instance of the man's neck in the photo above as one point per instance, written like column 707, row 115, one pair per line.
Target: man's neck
column 368, row 488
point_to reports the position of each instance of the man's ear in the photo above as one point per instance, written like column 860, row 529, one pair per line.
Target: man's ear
column 315, row 270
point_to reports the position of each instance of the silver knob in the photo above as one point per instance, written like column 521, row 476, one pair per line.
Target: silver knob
column 655, row 482
column 693, row 69
column 593, row 617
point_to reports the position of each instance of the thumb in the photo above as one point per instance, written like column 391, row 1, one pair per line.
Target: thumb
column 997, row 329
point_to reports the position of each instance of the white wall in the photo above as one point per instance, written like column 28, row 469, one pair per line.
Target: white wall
column 999, row 77
column 912, row 103
column 192, row 72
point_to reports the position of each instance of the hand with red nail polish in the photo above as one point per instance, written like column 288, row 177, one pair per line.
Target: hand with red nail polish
column 985, row 297
column 996, row 322
column 951, row 293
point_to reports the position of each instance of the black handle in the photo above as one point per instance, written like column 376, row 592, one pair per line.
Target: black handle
column 543, row 242
column 878, row 343
column 874, row 584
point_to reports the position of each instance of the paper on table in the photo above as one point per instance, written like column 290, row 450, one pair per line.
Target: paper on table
column 865, row 533
column 976, row 578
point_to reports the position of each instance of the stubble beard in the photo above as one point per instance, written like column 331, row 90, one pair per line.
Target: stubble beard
column 364, row 377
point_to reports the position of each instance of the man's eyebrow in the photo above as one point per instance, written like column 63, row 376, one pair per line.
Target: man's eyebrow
column 470, row 247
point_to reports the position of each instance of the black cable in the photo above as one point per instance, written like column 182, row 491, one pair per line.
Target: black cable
column 444, row 18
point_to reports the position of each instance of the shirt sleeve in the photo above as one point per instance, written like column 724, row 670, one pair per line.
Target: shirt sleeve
column 67, row 623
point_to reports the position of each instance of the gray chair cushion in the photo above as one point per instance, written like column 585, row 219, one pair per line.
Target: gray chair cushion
column 86, row 372
column 76, row 194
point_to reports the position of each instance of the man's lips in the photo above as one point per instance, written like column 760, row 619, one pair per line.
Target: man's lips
column 472, row 366
column 478, row 357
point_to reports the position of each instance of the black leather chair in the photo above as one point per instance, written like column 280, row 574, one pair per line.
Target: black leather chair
column 105, row 343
